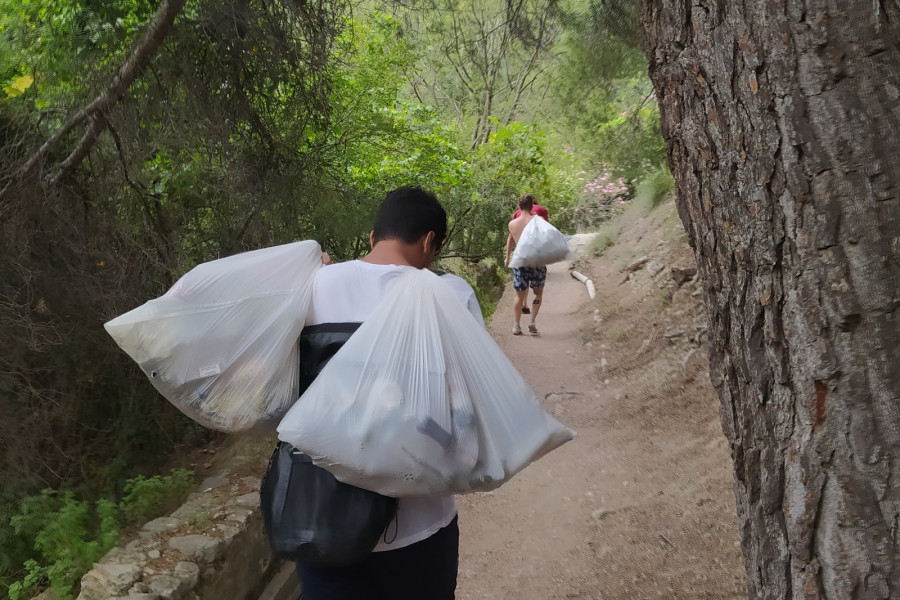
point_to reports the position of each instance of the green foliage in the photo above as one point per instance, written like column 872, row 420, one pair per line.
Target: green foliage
column 513, row 158
column 147, row 498
column 214, row 149
column 55, row 538
column 631, row 142
column 604, row 92
column 380, row 142
column 655, row 187
column 59, row 43
column 18, row 85
column 482, row 64
column 69, row 536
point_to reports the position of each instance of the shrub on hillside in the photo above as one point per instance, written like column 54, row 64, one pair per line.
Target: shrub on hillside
column 655, row 187
column 55, row 538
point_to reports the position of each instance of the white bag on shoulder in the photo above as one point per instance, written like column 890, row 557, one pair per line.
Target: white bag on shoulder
column 540, row 244
column 421, row 400
column 221, row 344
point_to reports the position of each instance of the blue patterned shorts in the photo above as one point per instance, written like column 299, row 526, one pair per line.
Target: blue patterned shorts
column 525, row 277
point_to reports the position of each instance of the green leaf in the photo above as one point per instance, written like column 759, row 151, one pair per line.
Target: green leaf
column 18, row 86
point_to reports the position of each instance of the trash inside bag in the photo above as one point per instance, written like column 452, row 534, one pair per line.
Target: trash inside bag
column 421, row 400
column 221, row 344
column 540, row 244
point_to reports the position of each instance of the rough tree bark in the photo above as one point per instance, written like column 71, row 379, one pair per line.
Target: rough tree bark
column 782, row 122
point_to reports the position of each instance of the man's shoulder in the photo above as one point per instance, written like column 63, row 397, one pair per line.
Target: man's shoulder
column 457, row 282
column 459, row 285
column 465, row 293
column 337, row 270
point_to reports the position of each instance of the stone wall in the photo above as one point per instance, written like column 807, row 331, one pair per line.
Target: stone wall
column 211, row 548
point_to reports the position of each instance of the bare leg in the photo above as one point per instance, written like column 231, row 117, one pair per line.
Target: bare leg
column 520, row 302
column 536, row 304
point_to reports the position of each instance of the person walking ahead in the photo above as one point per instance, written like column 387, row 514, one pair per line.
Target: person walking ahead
column 525, row 277
column 538, row 211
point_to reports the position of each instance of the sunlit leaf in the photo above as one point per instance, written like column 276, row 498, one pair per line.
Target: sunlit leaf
column 22, row 83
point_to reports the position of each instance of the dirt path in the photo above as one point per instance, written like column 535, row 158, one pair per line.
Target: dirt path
column 640, row 504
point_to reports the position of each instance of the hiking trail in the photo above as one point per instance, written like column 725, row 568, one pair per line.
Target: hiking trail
column 640, row 503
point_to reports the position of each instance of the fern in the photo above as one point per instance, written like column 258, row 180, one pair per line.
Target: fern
column 70, row 535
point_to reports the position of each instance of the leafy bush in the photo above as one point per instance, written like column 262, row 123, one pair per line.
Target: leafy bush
column 146, row 498
column 602, row 196
column 69, row 536
column 632, row 141
column 55, row 538
column 655, row 187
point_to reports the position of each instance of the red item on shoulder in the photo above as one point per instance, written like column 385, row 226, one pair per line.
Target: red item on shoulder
column 536, row 209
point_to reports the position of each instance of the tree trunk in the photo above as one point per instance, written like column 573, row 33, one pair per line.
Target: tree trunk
column 782, row 122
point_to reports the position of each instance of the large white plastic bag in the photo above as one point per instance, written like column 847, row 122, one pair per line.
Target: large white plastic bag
column 540, row 244
column 221, row 344
column 421, row 400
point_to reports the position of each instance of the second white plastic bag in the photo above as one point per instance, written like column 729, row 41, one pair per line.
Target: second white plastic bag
column 221, row 344
column 421, row 400
column 540, row 244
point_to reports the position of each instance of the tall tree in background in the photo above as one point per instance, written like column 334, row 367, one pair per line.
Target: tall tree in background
column 615, row 118
column 486, row 59
column 782, row 122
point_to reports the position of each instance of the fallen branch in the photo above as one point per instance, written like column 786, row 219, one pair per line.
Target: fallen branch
column 98, row 110
column 587, row 282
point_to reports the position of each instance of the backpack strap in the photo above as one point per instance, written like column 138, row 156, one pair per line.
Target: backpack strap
column 318, row 343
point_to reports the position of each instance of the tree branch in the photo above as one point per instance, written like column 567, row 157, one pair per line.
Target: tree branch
column 98, row 110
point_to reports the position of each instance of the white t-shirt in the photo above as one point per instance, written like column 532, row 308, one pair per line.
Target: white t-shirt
column 350, row 292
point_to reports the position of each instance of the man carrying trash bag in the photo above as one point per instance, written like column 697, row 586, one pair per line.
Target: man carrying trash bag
column 405, row 399
column 525, row 277
column 538, row 211
column 417, row 556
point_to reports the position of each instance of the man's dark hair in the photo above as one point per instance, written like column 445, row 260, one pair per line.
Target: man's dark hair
column 526, row 202
column 407, row 214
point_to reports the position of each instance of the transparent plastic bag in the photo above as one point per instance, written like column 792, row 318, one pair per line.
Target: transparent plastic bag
column 421, row 400
column 221, row 344
column 540, row 244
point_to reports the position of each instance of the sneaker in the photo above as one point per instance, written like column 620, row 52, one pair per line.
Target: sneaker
column 526, row 310
column 517, row 330
column 532, row 328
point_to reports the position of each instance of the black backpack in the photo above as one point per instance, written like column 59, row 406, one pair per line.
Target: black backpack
column 308, row 514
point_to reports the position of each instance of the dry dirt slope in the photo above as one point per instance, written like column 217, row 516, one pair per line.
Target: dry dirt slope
column 640, row 504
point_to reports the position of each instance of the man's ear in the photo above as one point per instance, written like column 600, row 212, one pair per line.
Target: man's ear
column 429, row 242
column 371, row 239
